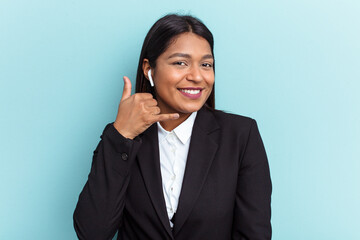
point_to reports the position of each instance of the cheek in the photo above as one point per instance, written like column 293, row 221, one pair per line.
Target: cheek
column 210, row 80
column 168, row 76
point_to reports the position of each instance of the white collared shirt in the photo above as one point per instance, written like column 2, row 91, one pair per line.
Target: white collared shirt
column 173, row 149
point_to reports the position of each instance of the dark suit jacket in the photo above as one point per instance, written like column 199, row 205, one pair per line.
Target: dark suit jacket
column 226, row 189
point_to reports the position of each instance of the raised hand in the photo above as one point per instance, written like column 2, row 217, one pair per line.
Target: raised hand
column 137, row 112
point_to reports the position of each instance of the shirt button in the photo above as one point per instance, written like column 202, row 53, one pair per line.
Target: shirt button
column 173, row 177
column 124, row 156
column 171, row 210
column 172, row 188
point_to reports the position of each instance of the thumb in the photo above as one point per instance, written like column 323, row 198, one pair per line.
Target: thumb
column 127, row 88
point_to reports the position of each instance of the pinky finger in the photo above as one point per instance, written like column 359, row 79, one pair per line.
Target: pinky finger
column 166, row 117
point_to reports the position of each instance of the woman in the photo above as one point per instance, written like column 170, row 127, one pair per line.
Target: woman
column 171, row 166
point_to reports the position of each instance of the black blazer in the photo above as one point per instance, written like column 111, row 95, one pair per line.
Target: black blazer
column 225, row 194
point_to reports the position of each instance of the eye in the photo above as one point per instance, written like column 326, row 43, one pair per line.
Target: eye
column 207, row 65
column 180, row 63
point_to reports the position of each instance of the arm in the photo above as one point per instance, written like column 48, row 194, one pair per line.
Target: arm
column 252, row 211
column 99, row 210
column 100, row 206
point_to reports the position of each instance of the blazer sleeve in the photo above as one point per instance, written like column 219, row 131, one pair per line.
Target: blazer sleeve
column 98, row 212
column 253, row 195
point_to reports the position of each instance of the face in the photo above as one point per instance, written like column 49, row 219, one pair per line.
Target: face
column 184, row 75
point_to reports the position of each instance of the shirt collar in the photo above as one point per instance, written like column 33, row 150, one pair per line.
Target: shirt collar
column 183, row 131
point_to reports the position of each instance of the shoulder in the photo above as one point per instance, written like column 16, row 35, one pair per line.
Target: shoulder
column 228, row 123
column 231, row 120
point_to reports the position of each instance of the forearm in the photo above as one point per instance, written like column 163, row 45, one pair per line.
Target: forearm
column 99, row 210
column 252, row 213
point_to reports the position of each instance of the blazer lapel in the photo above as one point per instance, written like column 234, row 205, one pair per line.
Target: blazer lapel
column 202, row 150
column 149, row 162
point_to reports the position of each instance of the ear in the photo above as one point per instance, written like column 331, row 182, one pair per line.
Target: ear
column 146, row 67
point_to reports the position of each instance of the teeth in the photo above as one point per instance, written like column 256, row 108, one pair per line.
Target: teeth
column 190, row 91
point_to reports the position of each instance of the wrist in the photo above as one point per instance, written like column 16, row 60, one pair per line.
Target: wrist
column 123, row 132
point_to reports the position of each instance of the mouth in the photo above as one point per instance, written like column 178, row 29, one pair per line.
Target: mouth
column 192, row 93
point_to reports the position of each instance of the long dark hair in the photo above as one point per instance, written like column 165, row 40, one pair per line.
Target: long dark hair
column 158, row 40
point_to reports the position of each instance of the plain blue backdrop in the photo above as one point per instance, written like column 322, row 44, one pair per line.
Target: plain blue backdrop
column 294, row 66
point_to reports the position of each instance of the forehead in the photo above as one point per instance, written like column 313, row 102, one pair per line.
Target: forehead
column 189, row 43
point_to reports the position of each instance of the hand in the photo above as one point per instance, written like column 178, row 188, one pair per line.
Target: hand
column 138, row 112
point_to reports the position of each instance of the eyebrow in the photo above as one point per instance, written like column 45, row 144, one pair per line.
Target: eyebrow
column 185, row 55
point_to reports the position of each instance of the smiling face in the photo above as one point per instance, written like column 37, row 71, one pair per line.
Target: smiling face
column 184, row 75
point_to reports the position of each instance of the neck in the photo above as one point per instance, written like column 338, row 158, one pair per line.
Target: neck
column 169, row 125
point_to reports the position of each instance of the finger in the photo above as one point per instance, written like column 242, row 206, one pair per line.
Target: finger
column 166, row 117
column 142, row 96
column 145, row 95
column 127, row 88
column 151, row 102
column 154, row 110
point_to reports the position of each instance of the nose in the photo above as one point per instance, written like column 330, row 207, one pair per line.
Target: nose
column 194, row 74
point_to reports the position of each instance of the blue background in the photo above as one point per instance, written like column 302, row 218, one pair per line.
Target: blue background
column 294, row 66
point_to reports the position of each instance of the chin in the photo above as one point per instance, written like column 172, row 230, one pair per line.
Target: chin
column 190, row 109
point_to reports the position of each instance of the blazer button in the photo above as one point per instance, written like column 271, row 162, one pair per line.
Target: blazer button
column 124, row 156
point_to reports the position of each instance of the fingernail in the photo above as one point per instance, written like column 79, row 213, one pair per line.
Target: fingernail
column 176, row 116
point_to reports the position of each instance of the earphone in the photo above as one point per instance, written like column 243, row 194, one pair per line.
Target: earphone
column 150, row 78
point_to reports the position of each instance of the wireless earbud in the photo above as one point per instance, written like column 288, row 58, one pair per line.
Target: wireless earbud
column 150, row 78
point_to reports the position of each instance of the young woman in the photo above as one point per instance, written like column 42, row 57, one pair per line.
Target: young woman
column 171, row 166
